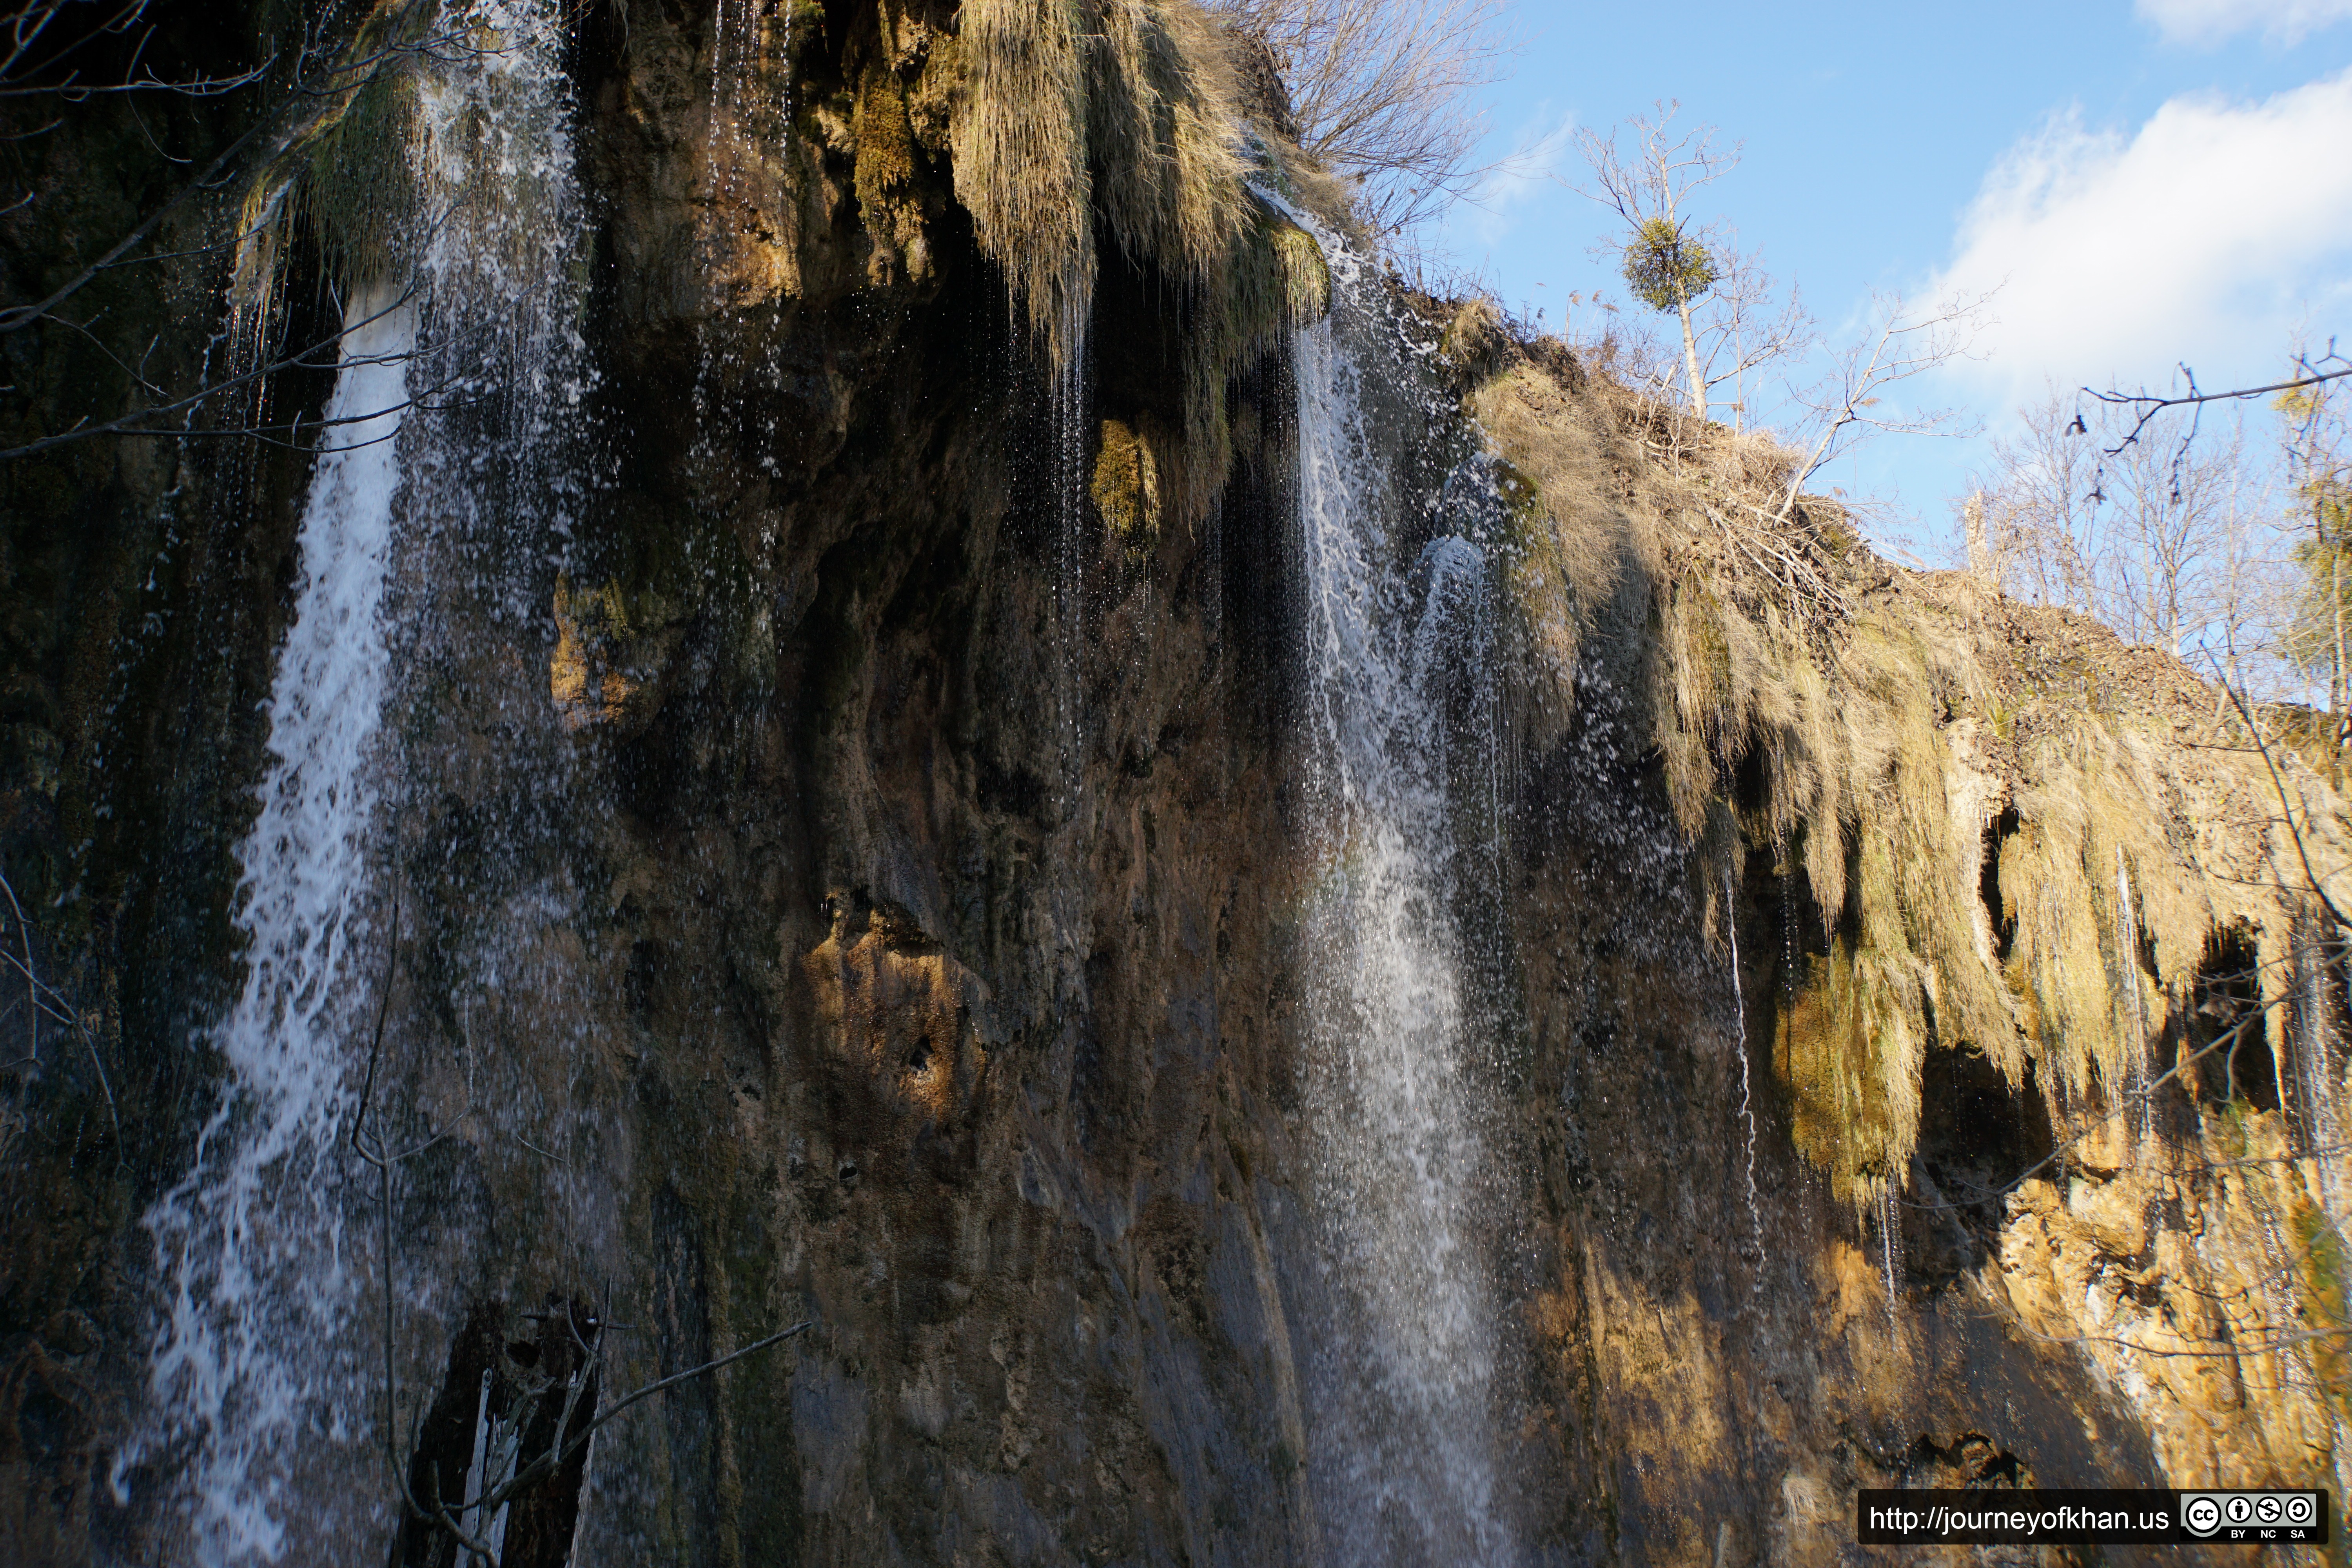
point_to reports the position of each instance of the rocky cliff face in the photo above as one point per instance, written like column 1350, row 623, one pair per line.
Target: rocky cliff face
column 1281, row 916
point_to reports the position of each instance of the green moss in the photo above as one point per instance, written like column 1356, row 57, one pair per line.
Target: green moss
column 889, row 167
column 1847, row 1048
column 1306, row 274
column 356, row 189
column 343, row 168
column 1273, row 281
column 2326, row 1302
column 1475, row 341
column 1522, row 497
column 1126, row 487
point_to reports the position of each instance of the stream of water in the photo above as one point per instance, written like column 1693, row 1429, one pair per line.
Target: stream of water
column 254, row 1237
column 260, row 1390
column 1405, row 1466
column 427, row 528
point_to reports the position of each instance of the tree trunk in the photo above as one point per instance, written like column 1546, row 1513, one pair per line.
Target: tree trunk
column 1972, row 519
column 1690, row 360
column 2336, row 685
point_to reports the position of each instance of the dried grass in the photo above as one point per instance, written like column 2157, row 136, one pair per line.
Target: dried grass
column 1128, row 115
column 1894, row 717
column 1017, row 129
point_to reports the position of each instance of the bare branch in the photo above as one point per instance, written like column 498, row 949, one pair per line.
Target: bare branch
column 1908, row 344
column 1743, row 324
column 1381, row 92
column 317, row 88
column 42, row 997
column 2148, row 406
column 138, row 422
column 32, row 981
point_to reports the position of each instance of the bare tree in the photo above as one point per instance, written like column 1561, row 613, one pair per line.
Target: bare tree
column 1905, row 340
column 2317, row 453
column 2032, row 513
column 2114, row 507
column 1381, row 91
column 1669, row 262
column 1746, row 324
column 2174, row 534
column 2294, row 631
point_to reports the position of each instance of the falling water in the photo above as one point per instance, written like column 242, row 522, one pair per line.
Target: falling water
column 1404, row 1465
column 739, row 119
column 261, row 1209
column 2127, row 939
column 1746, row 1096
column 258, row 1396
column 2323, row 1088
column 1890, row 1236
column 1452, row 647
column 1068, row 414
column 2320, row 1087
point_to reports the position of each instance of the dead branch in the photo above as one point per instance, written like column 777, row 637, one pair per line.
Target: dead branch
column 136, row 423
column 432, row 1509
column 318, row 85
column 1381, row 90
column 31, row 980
column 42, row 997
column 2149, row 405
column 1908, row 344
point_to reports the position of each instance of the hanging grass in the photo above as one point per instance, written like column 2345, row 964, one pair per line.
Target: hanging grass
column 1894, row 718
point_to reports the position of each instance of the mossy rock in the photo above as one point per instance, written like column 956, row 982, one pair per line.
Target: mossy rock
column 1126, row 487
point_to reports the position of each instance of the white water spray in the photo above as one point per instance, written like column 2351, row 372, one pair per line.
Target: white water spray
column 259, row 1210
column 739, row 127
column 1890, row 1220
column 1405, row 1462
column 2127, row 939
column 260, row 1394
column 2319, row 1084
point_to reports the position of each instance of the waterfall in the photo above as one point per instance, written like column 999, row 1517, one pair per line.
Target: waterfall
column 745, row 128
column 1890, row 1236
column 264, row 1392
column 2322, row 1082
column 1404, row 1461
column 1747, row 1089
column 1069, row 406
column 260, row 1211
column 2321, row 1089
column 2127, row 939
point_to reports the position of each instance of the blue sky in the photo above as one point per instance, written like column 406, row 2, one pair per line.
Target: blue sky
column 2145, row 182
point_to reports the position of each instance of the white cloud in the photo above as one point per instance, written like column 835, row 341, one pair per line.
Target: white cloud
column 2209, row 235
column 2210, row 21
column 1526, row 173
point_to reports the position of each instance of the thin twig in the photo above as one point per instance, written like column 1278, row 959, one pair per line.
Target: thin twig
column 2150, row 406
column 32, row 981
column 2279, row 784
